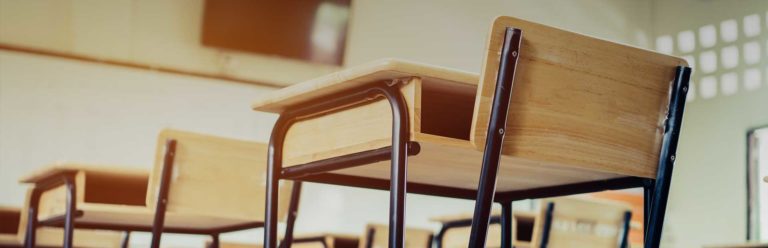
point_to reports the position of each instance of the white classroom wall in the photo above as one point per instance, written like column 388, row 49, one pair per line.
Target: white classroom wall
column 54, row 109
column 707, row 203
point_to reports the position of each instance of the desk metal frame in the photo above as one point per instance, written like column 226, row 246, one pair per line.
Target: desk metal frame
column 656, row 190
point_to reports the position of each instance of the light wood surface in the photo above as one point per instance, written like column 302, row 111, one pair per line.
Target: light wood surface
column 215, row 176
column 376, row 71
column 582, row 222
column 216, row 182
column 13, row 225
column 414, row 237
column 579, row 101
column 582, row 110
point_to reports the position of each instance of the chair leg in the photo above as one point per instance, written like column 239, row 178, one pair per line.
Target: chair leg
column 31, row 236
column 624, row 237
column 647, row 199
column 667, row 155
column 506, row 224
column 214, row 241
column 126, row 240
column 162, row 195
column 293, row 211
column 547, row 225
column 69, row 221
column 486, row 189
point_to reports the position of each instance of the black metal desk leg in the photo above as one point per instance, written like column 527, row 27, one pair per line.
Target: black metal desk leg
column 69, row 221
column 496, row 125
column 667, row 156
column 162, row 195
column 506, row 224
column 274, row 168
column 397, row 190
column 34, row 206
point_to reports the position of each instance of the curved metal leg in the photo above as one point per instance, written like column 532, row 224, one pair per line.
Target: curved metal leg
column 399, row 156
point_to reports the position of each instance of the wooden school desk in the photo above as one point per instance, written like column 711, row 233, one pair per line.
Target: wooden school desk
column 584, row 114
column 200, row 184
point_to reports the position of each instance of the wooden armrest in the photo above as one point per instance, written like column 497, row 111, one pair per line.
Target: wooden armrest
column 59, row 169
column 376, row 71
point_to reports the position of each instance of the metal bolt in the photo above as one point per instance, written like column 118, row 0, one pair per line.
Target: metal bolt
column 672, row 157
column 514, row 53
column 501, row 131
column 685, row 88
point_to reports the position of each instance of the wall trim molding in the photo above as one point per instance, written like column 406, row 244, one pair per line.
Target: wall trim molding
column 36, row 51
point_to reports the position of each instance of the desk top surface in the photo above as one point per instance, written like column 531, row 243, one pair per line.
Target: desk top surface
column 376, row 71
column 65, row 167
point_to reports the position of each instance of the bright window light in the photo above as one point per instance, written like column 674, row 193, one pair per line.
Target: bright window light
column 708, row 61
column 729, row 30
column 752, row 53
column 686, row 41
column 708, row 36
column 729, row 83
column 691, row 92
column 752, row 79
column 752, row 25
column 691, row 61
column 729, row 56
column 665, row 44
column 708, row 87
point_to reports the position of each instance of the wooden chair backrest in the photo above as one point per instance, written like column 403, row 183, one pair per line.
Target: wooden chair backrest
column 578, row 222
column 579, row 100
column 214, row 176
column 378, row 237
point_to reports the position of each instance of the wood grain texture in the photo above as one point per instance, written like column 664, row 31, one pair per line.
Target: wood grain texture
column 216, row 182
column 414, row 237
column 578, row 100
column 215, row 176
column 582, row 110
column 582, row 222
column 355, row 129
column 376, row 71
column 53, row 237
